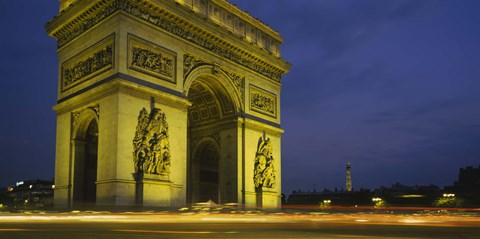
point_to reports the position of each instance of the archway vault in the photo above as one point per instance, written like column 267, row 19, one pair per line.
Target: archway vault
column 211, row 132
column 210, row 80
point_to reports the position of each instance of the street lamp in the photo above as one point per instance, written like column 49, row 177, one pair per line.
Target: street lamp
column 448, row 195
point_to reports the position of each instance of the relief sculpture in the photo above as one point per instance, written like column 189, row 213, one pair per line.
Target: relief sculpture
column 151, row 153
column 264, row 171
column 93, row 63
column 153, row 61
column 263, row 101
column 164, row 22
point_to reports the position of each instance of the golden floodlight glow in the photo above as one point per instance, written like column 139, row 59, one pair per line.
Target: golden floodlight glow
column 412, row 196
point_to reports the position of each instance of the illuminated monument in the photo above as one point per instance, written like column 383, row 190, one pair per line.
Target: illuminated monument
column 166, row 103
column 349, row 178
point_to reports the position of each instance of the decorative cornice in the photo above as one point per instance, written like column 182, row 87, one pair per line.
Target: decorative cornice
column 150, row 13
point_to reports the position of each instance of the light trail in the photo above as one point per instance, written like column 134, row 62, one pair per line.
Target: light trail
column 13, row 230
column 175, row 232
column 455, row 219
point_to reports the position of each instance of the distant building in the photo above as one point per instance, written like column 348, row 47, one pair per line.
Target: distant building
column 395, row 195
column 338, row 198
column 402, row 195
column 31, row 193
column 4, row 199
column 467, row 187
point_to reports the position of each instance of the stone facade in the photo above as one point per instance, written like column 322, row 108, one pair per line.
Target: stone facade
column 163, row 103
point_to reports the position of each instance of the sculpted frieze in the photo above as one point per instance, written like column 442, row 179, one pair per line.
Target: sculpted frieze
column 151, row 149
column 87, row 64
column 165, row 22
column 264, row 170
column 263, row 102
column 151, row 59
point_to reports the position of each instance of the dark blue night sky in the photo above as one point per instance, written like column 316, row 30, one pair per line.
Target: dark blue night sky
column 391, row 86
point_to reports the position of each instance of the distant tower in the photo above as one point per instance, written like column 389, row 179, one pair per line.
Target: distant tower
column 349, row 178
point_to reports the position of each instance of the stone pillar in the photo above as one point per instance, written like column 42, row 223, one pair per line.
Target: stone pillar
column 267, row 198
column 152, row 190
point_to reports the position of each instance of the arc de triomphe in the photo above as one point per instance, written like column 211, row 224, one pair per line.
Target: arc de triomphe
column 166, row 103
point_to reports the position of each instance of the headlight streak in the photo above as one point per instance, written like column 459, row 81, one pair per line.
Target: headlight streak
column 175, row 232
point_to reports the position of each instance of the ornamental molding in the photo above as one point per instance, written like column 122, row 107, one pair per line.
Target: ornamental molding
column 151, row 148
column 96, row 59
column 151, row 59
column 146, row 11
column 191, row 62
column 263, row 102
column 239, row 82
column 76, row 114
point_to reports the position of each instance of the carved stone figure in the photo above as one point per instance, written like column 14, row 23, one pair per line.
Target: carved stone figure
column 151, row 149
column 264, row 171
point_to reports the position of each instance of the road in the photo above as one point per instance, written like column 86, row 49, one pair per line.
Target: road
column 103, row 225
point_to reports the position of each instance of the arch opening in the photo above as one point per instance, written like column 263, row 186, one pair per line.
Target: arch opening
column 209, row 117
column 204, row 174
column 85, row 164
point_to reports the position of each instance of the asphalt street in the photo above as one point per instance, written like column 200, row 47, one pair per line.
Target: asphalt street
column 244, row 225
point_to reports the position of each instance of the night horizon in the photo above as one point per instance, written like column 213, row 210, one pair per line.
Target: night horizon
column 391, row 87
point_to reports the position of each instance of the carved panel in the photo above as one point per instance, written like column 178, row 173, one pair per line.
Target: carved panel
column 263, row 101
column 264, row 170
column 151, row 148
column 89, row 63
column 146, row 57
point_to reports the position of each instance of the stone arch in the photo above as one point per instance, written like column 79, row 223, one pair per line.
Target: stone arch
column 218, row 79
column 81, row 121
column 84, row 157
column 216, row 104
column 204, row 171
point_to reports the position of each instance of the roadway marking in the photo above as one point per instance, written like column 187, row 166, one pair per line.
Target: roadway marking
column 176, row 232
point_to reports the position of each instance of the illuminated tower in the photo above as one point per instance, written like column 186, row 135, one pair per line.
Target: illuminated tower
column 349, row 178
